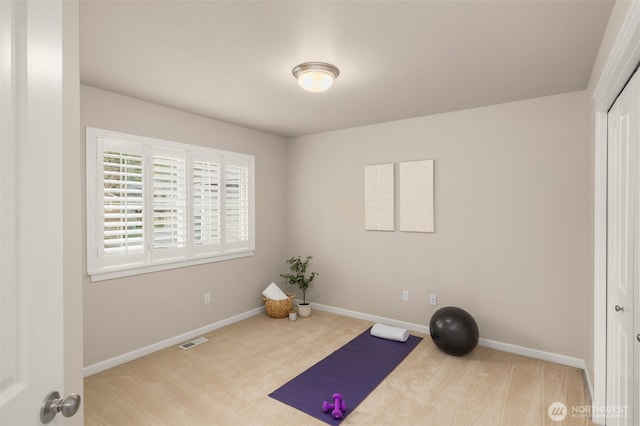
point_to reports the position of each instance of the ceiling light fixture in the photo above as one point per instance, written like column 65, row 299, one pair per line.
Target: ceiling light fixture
column 315, row 77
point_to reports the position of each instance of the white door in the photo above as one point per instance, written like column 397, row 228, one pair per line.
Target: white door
column 31, row 213
column 622, row 252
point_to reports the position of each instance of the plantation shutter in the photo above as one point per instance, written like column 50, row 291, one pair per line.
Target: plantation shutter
column 169, row 194
column 205, row 196
column 236, row 203
column 122, row 203
column 154, row 205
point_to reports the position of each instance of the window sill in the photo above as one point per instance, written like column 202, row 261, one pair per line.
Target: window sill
column 112, row 273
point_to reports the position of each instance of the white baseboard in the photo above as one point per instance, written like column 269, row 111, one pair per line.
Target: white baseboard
column 589, row 385
column 130, row 356
column 533, row 353
column 505, row 347
column 373, row 318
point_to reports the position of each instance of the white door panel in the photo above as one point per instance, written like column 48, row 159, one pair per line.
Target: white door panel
column 31, row 213
column 622, row 252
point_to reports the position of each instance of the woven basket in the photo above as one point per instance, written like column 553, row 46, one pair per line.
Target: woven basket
column 278, row 308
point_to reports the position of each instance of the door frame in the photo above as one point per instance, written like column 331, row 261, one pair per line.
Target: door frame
column 625, row 56
column 73, row 243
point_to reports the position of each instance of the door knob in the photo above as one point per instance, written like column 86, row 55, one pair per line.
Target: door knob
column 638, row 337
column 619, row 308
column 53, row 405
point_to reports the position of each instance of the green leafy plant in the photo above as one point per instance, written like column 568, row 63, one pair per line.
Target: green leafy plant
column 298, row 275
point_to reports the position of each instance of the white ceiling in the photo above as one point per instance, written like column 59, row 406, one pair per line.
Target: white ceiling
column 232, row 60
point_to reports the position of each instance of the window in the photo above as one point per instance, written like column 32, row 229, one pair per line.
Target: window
column 154, row 204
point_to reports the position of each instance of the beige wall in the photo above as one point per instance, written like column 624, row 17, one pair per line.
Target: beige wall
column 122, row 315
column 513, row 240
column 513, row 222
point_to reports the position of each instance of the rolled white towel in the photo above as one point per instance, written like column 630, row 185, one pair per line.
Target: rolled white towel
column 273, row 292
column 390, row 333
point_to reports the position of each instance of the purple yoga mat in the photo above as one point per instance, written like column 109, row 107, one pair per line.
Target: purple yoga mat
column 354, row 371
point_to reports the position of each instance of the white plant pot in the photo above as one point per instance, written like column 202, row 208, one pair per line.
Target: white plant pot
column 304, row 310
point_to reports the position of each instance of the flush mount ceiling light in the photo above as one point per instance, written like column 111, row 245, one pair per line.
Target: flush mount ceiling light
column 315, row 77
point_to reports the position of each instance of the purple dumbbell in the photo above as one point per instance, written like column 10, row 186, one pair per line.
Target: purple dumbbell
column 338, row 406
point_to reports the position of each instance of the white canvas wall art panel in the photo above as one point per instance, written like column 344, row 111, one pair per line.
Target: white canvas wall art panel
column 416, row 196
column 379, row 197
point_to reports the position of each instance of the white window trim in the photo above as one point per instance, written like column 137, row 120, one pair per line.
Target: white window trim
column 98, row 272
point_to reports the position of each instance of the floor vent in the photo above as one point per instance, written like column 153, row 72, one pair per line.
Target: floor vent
column 193, row 343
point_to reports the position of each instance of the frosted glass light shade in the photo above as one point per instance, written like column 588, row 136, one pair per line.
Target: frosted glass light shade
column 315, row 81
column 315, row 77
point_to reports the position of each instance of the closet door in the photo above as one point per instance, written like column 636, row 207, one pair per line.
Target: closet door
column 622, row 253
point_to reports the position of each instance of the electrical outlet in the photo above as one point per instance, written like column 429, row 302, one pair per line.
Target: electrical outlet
column 207, row 298
column 433, row 300
column 405, row 295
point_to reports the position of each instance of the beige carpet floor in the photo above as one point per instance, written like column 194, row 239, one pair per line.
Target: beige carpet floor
column 226, row 382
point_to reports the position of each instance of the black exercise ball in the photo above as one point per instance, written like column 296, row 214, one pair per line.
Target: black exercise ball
column 454, row 331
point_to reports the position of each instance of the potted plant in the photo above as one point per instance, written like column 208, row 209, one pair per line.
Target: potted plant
column 298, row 276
